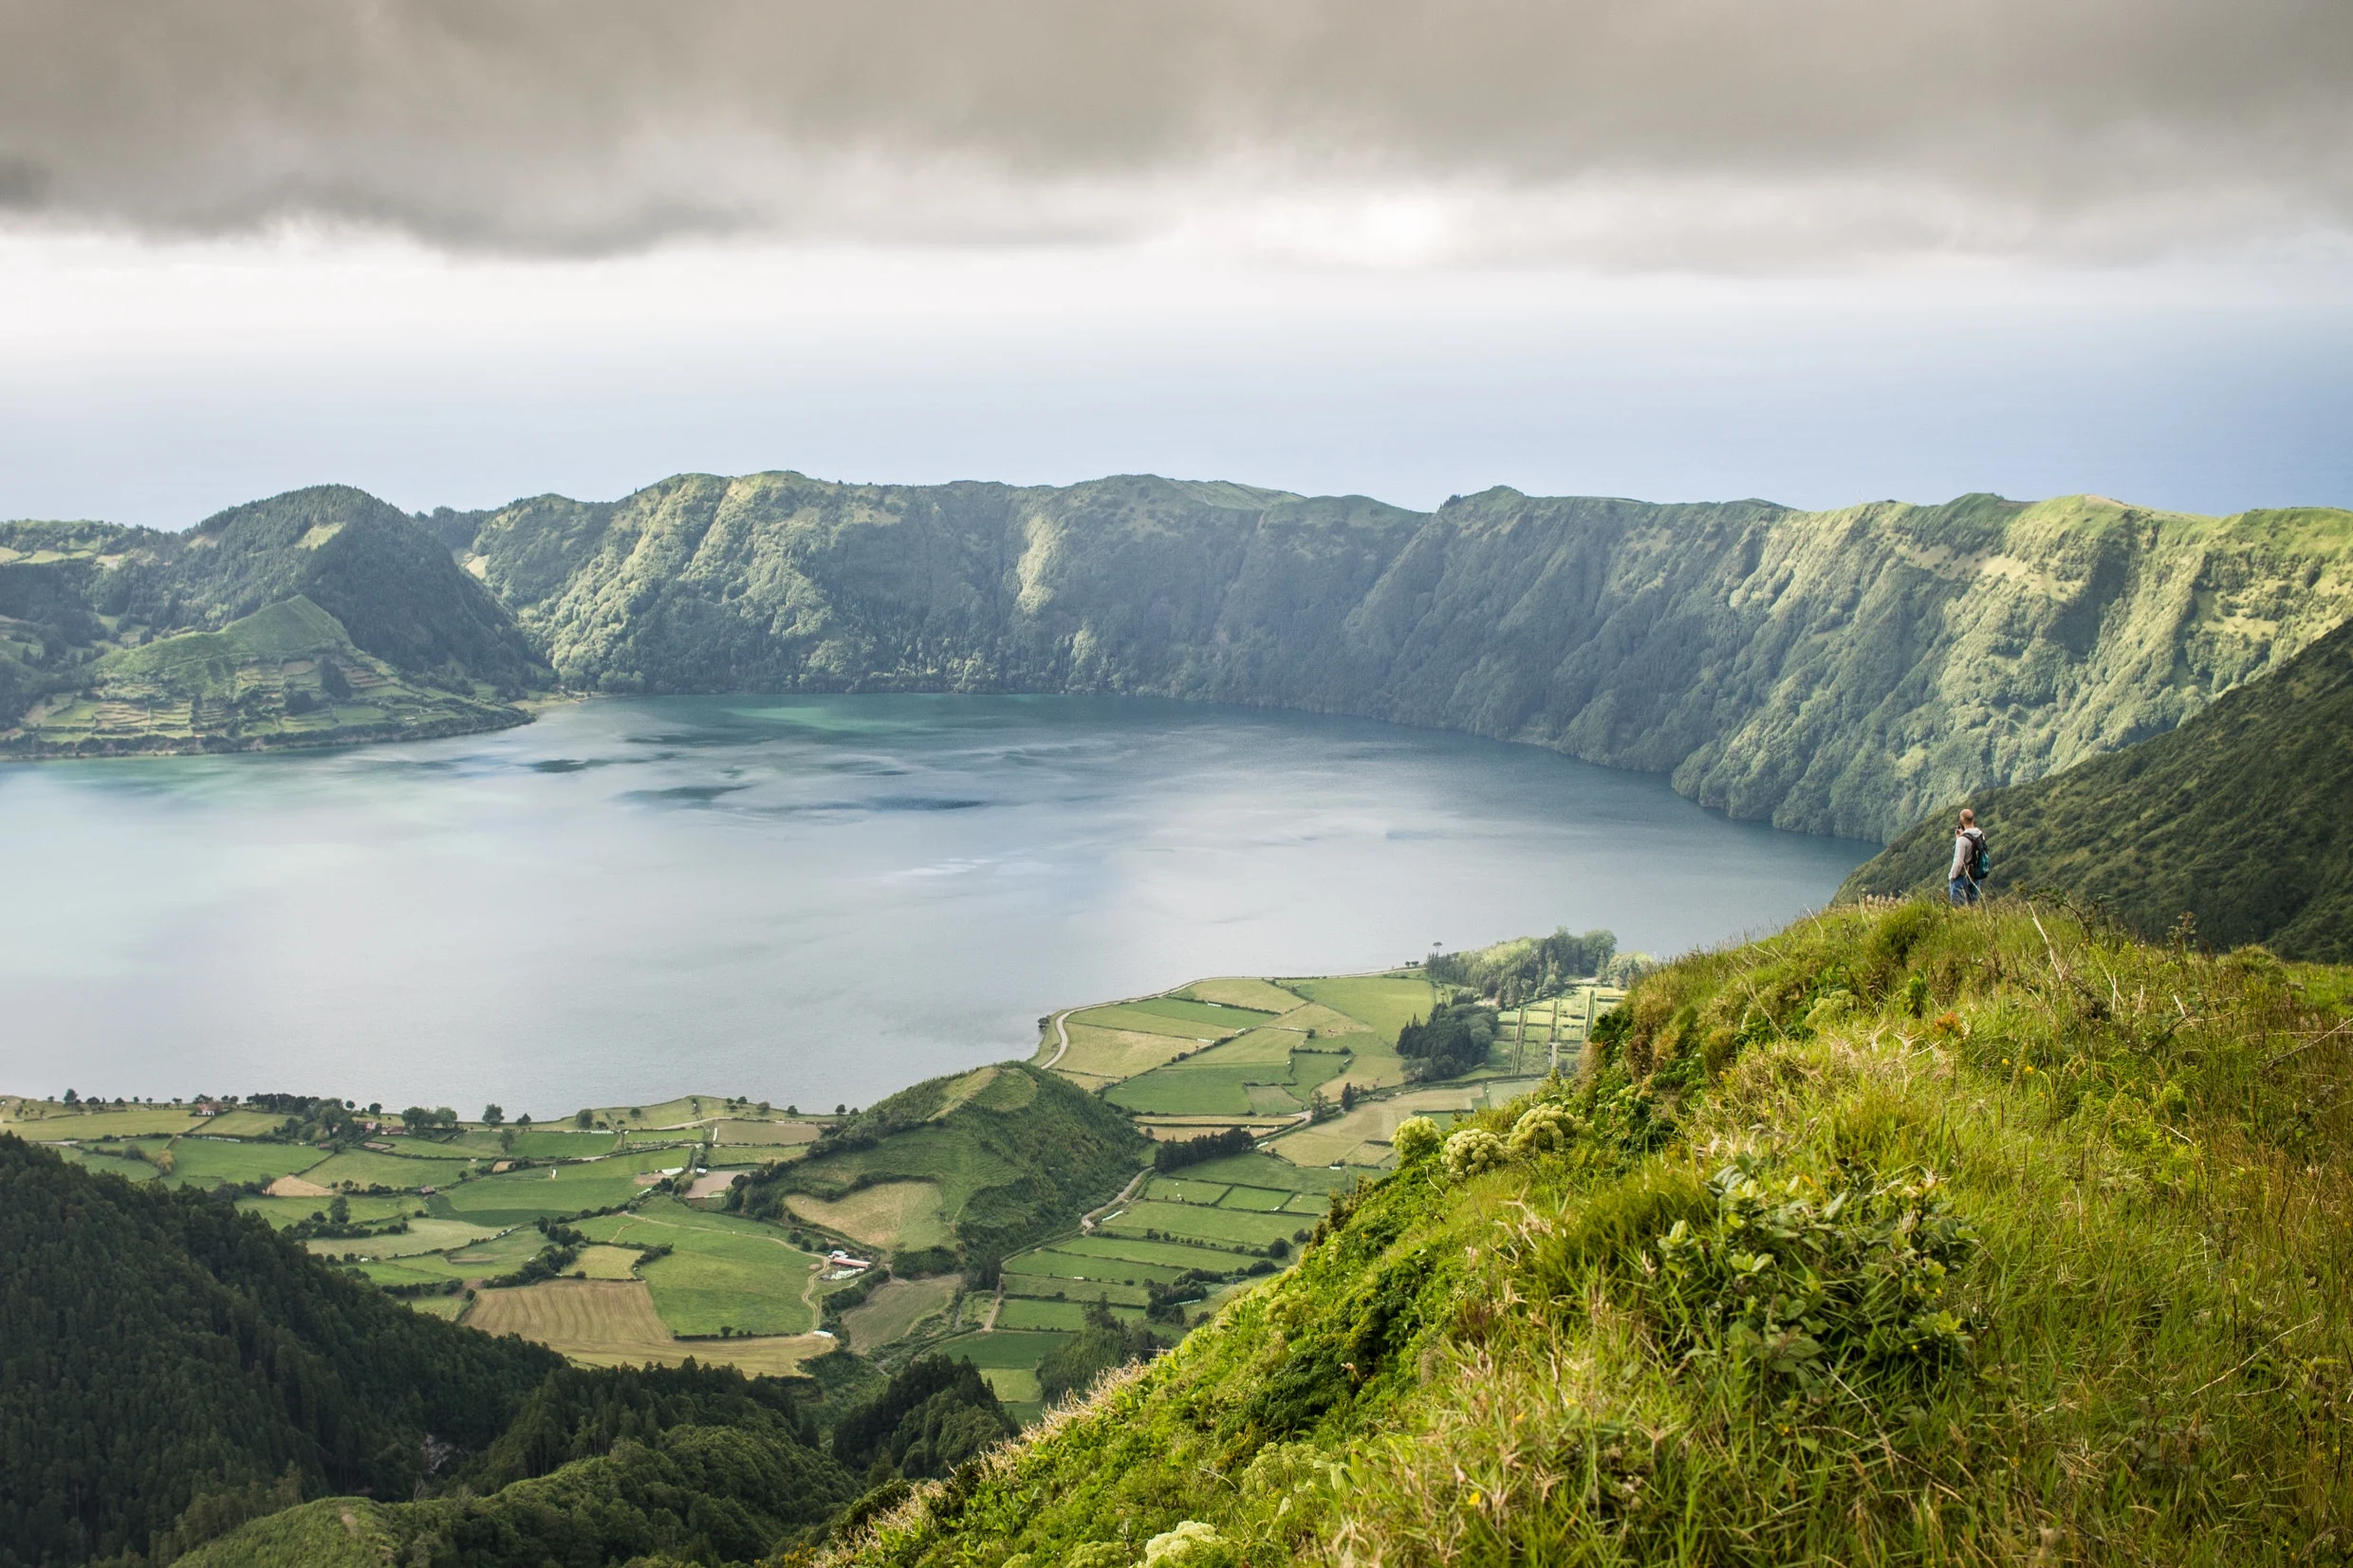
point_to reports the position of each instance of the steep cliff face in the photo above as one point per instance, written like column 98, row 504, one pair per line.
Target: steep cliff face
column 1843, row 672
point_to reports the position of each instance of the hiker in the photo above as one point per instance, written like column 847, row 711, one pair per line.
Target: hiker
column 1970, row 863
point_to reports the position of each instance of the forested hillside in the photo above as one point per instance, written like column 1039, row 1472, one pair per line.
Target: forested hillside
column 1839, row 672
column 77, row 598
column 2242, row 820
column 1906, row 1235
column 164, row 1355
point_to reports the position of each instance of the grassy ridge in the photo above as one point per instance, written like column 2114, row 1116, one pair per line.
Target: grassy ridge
column 2242, row 818
column 1906, row 1235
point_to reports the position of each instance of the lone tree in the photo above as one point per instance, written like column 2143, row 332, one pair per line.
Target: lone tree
column 492, row 1115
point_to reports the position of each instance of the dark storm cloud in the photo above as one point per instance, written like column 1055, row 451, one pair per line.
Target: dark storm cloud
column 1615, row 128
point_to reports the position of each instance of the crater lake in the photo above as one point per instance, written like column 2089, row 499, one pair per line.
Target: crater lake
column 803, row 900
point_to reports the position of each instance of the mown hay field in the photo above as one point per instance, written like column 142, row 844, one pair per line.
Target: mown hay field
column 1129, row 1016
column 1116, row 1053
column 885, row 1216
column 893, row 1311
column 1241, row 991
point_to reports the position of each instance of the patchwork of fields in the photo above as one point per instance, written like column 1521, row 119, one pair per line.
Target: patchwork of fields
column 607, row 1235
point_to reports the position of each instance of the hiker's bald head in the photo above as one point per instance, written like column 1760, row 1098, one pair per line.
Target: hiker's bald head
column 1969, row 818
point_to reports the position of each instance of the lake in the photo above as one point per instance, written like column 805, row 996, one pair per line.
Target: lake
column 807, row 900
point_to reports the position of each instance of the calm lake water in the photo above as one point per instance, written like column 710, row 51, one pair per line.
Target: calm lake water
column 800, row 899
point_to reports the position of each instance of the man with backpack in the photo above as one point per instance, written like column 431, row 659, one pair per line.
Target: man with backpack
column 1971, row 865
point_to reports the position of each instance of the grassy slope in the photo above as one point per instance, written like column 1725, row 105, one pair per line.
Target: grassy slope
column 2243, row 817
column 1842, row 670
column 2002, row 1240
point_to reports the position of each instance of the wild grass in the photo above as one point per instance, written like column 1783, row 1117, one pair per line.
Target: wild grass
column 1906, row 1236
column 882, row 1217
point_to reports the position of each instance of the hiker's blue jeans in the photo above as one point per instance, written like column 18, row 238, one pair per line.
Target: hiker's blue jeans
column 1962, row 891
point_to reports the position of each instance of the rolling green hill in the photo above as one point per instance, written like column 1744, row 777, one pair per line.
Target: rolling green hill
column 1839, row 672
column 1907, row 1235
column 73, row 596
column 958, row 1170
column 285, row 675
column 2242, row 818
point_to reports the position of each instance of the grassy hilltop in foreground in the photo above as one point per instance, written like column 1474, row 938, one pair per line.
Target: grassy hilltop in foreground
column 2242, row 818
column 1908, row 1234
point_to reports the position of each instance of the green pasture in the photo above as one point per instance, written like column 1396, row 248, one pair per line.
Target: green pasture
column 423, row 1235
column 1058, row 1287
column 1275, row 1099
column 1115, row 1053
column 366, row 1168
column 1184, row 1090
column 432, row 1148
column 1133, row 1016
column 735, row 1282
column 1004, row 1348
column 1173, row 1256
column 1313, row 1204
column 763, row 1134
column 723, row 1271
column 243, row 1124
column 209, row 1161
column 1266, row 1171
column 1226, row 1227
column 1096, row 1267
column 1386, row 1003
column 282, row 1212
column 1067, row 1316
column 1179, row 1189
column 485, row 1258
column 548, row 1143
column 517, row 1197
column 1241, row 991
column 1260, row 1200
column 129, row 1170
column 1257, row 1048
column 1220, row 1019
column 52, row 1123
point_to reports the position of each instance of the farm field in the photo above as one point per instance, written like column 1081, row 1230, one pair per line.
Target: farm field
column 38, row 1121
column 282, row 1212
column 1385, row 1003
column 1139, row 1019
column 1241, row 991
column 886, row 1215
column 1361, row 1135
column 1114, row 1054
column 518, row 1197
column 892, row 1312
column 1232, row 1228
column 209, row 1161
column 422, row 1236
column 606, row 1322
column 756, row 1134
column 606, row 1262
column 722, row 1272
column 129, row 1170
column 1067, row 1316
column 364, row 1167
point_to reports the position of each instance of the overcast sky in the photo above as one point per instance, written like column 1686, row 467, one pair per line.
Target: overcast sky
column 457, row 251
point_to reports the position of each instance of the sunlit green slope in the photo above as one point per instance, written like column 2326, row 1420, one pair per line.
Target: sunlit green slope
column 2242, row 818
column 1905, row 1236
